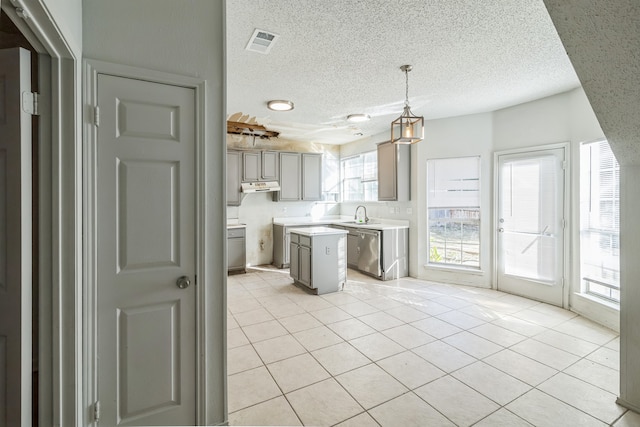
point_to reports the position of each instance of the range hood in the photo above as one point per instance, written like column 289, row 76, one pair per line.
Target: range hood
column 260, row 187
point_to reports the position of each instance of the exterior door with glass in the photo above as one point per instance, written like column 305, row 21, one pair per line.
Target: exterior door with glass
column 530, row 224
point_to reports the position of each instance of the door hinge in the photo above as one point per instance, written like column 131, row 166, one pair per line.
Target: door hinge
column 195, row 279
column 564, row 223
column 96, row 116
column 96, row 411
column 30, row 103
column 564, row 165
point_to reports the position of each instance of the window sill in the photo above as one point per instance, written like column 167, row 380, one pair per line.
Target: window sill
column 609, row 304
column 454, row 269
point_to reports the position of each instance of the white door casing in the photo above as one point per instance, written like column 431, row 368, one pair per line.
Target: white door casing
column 146, row 241
column 530, row 224
column 15, row 245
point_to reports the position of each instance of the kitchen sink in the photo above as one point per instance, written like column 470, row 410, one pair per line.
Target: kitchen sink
column 360, row 223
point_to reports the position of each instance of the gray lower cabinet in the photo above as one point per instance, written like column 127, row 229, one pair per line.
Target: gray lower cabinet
column 318, row 262
column 236, row 250
column 281, row 241
column 352, row 249
column 234, row 195
column 394, row 246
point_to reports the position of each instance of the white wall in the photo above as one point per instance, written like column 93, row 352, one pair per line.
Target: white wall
column 454, row 137
column 545, row 121
column 566, row 117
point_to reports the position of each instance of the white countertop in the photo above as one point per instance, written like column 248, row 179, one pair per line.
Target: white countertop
column 346, row 221
column 316, row 231
column 235, row 223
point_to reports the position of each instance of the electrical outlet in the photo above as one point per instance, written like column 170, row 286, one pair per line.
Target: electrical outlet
column 328, row 250
column 409, row 211
column 392, row 210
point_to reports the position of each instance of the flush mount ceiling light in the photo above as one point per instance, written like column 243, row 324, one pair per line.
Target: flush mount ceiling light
column 358, row 117
column 280, row 105
column 408, row 128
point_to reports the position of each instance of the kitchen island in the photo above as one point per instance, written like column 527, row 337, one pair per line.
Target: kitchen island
column 318, row 258
column 379, row 248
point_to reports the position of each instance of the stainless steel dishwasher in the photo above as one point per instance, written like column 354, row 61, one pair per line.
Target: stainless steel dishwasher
column 369, row 252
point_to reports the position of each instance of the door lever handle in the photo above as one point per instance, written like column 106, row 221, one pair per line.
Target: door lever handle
column 500, row 230
column 183, row 282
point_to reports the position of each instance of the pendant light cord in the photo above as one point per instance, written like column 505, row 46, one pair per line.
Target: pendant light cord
column 406, row 99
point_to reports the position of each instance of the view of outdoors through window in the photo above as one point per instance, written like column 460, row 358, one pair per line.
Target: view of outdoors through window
column 600, row 221
column 453, row 203
column 360, row 177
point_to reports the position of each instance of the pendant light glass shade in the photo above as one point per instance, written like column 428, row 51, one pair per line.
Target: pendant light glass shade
column 408, row 128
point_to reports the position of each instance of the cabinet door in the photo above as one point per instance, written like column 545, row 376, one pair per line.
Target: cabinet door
column 294, row 267
column 236, row 253
column 387, row 172
column 234, row 196
column 304, row 265
column 289, row 177
column 269, row 166
column 311, row 176
column 352, row 250
column 394, row 172
column 287, row 248
column 251, row 166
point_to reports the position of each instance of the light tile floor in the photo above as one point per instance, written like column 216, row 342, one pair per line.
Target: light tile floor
column 411, row 352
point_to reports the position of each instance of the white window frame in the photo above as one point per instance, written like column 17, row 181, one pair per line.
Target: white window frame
column 586, row 195
column 363, row 179
column 476, row 208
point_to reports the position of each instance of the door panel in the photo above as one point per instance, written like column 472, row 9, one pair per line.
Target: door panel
column 155, row 385
column 530, row 224
column 146, row 241
column 143, row 243
column 15, row 241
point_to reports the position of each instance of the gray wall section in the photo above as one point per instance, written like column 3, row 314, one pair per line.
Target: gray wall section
column 602, row 40
column 189, row 40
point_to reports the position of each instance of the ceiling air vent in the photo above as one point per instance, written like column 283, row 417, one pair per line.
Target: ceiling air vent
column 261, row 41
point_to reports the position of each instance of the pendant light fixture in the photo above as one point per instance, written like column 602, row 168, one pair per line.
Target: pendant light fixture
column 408, row 128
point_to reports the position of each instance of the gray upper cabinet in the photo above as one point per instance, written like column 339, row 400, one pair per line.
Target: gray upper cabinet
column 234, row 196
column 394, row 172
column 269, row 170
column 259, row 166
column 290, row 177
column 250, row 166
column 311, row 176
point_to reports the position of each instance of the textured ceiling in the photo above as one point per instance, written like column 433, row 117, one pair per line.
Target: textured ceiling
column 338, row 57
column 603, row 39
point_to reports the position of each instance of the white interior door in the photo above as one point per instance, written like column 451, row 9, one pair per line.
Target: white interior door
column 530, row 229
column 15, row 241
column 146, row 243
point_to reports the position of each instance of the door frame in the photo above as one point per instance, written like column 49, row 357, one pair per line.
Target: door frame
column 60, row 220
column 566, row 268
column 205, row 298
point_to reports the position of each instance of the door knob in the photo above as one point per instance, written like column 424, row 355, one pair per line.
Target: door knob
column 183, row 282
column 500, row 230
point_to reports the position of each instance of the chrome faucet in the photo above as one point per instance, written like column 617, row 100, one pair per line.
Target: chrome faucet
column 366, row 218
